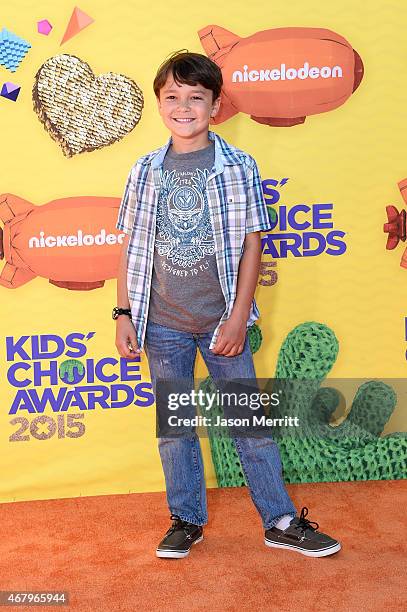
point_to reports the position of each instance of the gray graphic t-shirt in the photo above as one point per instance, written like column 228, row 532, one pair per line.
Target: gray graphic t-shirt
column 185, row 291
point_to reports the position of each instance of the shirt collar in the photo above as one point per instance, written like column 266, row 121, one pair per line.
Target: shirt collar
column 225, row 155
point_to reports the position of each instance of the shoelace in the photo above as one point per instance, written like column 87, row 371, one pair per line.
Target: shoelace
column 304, row 523
column 178, row 523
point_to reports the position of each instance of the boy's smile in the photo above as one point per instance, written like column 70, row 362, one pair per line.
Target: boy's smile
column 186, row 111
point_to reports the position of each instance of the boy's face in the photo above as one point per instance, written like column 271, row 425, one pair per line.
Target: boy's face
column 186, row 109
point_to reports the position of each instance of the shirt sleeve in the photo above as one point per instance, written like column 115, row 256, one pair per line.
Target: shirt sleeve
column 125, row 218
column 257, row 218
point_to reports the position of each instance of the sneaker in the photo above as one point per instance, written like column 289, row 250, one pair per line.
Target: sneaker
column 179, row 539
column 302, row 537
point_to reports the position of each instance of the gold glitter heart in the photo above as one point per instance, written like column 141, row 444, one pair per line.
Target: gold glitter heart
column 83, row 112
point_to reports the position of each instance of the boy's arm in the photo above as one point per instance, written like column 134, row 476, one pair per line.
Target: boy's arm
column 125, row 332
column 232, row 333
column 122, row 295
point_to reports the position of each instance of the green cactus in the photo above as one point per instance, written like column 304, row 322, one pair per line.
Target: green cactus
column 317, row 451
column 255, row 338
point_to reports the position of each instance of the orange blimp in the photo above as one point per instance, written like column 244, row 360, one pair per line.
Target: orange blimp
column 281, row 76
column 396, row 226
column 71, row 241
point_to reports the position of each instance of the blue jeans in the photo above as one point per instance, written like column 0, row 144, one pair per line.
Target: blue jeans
column 171, row 354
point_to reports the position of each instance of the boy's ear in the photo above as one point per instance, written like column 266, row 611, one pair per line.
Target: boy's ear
column 158, row 103
column 215, row 107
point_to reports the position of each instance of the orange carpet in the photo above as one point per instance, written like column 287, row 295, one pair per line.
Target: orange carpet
column 102, row 551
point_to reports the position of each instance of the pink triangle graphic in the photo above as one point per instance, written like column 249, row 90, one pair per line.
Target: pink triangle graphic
column 78, row 21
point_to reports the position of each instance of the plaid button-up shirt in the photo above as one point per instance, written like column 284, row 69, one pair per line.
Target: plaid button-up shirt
column 236, row 207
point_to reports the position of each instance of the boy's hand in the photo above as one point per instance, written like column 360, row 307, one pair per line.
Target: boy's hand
column 231, row 338
column 126, row 339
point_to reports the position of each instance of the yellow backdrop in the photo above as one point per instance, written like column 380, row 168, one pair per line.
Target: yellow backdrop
column 352, row 157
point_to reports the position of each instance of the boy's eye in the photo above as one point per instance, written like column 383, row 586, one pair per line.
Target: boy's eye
column 197, row 97
column 169, row 97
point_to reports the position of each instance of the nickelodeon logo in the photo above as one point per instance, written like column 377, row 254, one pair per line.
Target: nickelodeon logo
column 78, row 239
column 282, row 74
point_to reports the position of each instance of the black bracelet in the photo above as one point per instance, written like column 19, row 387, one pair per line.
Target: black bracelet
column 120, row 311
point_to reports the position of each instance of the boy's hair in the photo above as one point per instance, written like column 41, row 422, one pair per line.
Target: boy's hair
column 189, row 69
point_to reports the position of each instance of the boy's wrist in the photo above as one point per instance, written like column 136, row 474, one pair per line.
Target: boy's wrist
column 240, row 311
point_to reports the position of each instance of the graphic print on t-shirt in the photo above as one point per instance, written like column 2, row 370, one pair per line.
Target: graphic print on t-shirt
column 184, row 232
column 186, row 293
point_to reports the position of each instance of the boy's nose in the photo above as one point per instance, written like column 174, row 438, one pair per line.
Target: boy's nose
column 184, row 106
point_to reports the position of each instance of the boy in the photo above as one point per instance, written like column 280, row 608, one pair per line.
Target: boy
column 192, row 213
